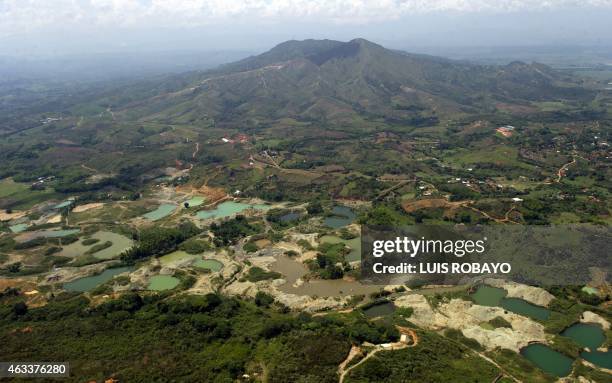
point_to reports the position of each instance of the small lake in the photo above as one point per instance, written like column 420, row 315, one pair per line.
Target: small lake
column 195, row 201
column 599, row 358
column 522, row 307
column 18, row 228
column 494, row 296
column 120, row 243
column 488, row 296
column 88, row 283
column 354, row 244
column 586, row 334
column 176, row 257
column 163, row 282
column 161, row 212
column 228, row 209
column 380, row 310
column 590, row 335
column 547, row 359
column 292, row 270
column 341, row 216
column 210, row 264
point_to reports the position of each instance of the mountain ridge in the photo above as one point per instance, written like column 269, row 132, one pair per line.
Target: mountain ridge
column 334, row 80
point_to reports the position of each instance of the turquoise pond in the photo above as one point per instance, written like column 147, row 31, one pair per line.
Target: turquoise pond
column 522, row 307
column 599, row 358
column 341, row 216
column 547, row 359
column 18, row 228
column 161, row 212
column 590, row 335
column 163, row 282
column 493, row 296
column 227, row 209
column 88, row 283
column 586, row 334
column 195, row 201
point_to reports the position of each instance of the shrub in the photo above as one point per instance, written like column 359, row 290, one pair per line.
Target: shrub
column 263, row 299
column 498, row 322
column 90, row 241
column 250, row 247
column 195, row 246
column 257, row 274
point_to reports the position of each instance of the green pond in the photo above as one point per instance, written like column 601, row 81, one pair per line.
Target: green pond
column 120, row 243
column 354, row 244
column 488, row 296
column 176, row 257
column 88, row 283
column 341, row 216
column 547, row 359
column 599, row 358
column 522, row 307
column 493, row 296
column 586, row 334
column 163, row 282
column 227, row 209
column 592, row 336
column 195, row 201
column 380, row 310
column 161, row 212
column 18, row 228
column 210, row 264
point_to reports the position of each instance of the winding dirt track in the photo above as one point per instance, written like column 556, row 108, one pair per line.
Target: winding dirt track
column 563, row 169
column 356, row 350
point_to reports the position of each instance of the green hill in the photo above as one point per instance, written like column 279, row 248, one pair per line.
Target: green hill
column 332, row 80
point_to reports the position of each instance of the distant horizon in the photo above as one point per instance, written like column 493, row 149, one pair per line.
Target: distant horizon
column 110, row 65
column 603, row 47
column 39, row 28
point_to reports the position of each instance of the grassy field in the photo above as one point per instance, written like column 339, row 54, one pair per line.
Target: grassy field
column 9, row 187
column 500, row 155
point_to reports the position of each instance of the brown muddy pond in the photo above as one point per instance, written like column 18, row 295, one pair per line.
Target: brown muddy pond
column 292, row 270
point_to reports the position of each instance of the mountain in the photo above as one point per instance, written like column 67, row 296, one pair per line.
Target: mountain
column 335, row 81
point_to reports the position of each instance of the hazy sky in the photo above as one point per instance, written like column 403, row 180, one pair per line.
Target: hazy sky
column 43, row 27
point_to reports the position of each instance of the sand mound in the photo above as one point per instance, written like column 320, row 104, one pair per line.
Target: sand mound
column 89, row 206
column 4, row 216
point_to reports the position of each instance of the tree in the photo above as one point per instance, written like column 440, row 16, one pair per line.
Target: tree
column 314, row 207
column 14, row 267
column 263, row 299
column 20, row 308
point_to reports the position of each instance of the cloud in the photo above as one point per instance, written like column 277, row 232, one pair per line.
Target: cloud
column 22, row 16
